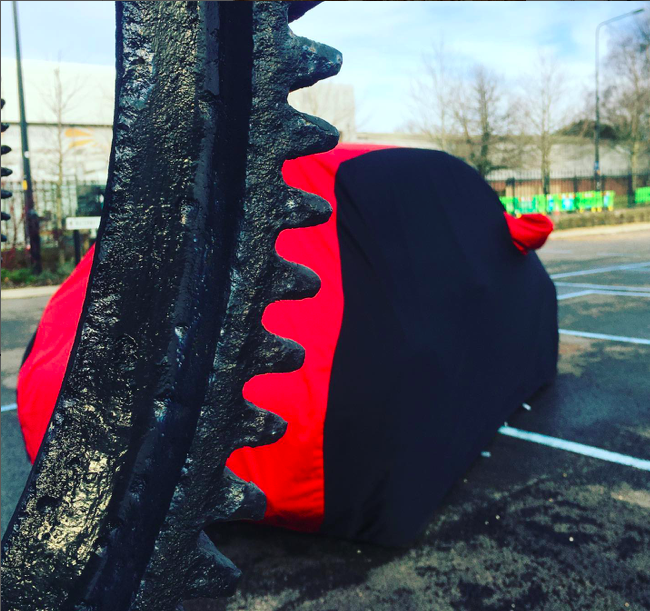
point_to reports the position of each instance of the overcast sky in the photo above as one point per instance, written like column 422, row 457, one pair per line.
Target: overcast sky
column 382, row 42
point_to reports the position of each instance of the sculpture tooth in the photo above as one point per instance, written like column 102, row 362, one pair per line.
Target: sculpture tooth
column 259, row 427
column 304, row 210
column 6, row 149
column 5, row 172
column 239, row 500
column 307, row 135
column 293, row 281
column 275, row 354
column 295, row 10
column 314, row 61
column 211, row 574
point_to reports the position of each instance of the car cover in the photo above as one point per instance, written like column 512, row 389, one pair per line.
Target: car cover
column 430, row 328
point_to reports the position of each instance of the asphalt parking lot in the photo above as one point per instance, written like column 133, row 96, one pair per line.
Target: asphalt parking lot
column 530, row 527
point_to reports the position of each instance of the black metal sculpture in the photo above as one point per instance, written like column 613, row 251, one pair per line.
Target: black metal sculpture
column 5, row 172
column 132, row 465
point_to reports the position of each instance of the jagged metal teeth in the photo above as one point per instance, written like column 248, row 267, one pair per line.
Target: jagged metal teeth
column 5, row 172
column 298, row 9
column 293, row 281
column 302, row 209
column 239, row 500
column 211, row 574
column 306, row 135
column 314, row 61
column 259, row 427
column 274, row 354
column 5, row 216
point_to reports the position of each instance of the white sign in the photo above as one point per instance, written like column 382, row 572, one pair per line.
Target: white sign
column 82, row 222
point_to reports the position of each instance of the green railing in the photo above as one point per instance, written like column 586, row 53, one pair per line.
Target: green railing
column 642, row 195
column 567, row 202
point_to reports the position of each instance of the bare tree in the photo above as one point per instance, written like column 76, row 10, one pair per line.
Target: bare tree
column 483, row 116
column 627, row 96
column 334, row 103
column 60, row 99
column 465, row 114
column 542, row 112
column 432, row 95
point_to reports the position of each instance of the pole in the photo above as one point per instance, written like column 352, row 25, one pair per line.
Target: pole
column 77, row 246
column 597, row 123
column 31, row 217
column 597, row 175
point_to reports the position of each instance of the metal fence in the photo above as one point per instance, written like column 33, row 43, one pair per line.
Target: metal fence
column 625, row 190
column 73, row 199
column 521, row 191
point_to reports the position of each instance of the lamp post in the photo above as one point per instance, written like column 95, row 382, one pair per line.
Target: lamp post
column 597, row 124
column 31, row 217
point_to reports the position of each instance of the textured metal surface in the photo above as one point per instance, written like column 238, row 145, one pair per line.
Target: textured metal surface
column 132, row 465
column 5, row 172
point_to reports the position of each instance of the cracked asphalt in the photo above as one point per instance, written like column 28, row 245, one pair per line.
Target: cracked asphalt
column 531, row 527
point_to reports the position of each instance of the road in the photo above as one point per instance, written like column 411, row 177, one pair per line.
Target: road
column 19, row 320
column 531, row 527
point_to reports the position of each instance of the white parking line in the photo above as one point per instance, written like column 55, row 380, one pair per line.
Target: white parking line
column 601, row 292
column 9, row 407
column 577, row 448
column 601, row 270
column 613, row 338
column 604, row 287
column 572, row 295
column 623, row 293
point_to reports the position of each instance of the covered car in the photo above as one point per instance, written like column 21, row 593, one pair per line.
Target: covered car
column 433, row 324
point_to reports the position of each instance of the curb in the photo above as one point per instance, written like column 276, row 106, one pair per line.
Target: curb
column 29, row 291
column 563, row 234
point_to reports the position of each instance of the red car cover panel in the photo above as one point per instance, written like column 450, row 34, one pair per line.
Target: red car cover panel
column 41, row 375
column 529, row 231
column 290, row 471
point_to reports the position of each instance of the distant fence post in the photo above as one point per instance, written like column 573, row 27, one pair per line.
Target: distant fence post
column 77, row 246
column 630, row 190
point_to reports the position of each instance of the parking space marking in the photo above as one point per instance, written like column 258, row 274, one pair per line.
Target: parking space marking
column 622, row 293
column 572, row 295
column 605, row 287
column 594, row 292
column 9, row 407
column 602, row 270
column 613, row 338
column 576, row 448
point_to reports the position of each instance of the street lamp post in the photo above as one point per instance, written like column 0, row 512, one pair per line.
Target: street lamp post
column 597, row 124
column 31, row 217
